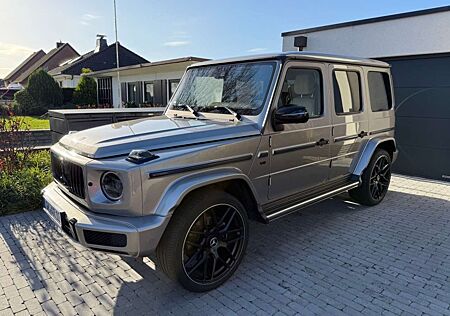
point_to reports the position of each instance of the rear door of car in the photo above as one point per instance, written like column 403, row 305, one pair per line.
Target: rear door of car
column 349, row 117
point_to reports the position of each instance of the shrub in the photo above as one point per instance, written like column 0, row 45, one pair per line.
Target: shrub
column 25, row 105
column 13, row 143
column 41, row 94
column 20, row 190
column 86, row 91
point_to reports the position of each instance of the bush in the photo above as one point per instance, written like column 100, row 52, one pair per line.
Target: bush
column 86, row 91
column 20, row 190
column 41, row 94
column 13, row 143
column 24, row 104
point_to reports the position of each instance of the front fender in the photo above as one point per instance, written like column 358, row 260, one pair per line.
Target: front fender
column 365, row 155
column 178, row 189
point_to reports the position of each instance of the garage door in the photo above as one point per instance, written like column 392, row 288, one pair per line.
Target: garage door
column 422, row 93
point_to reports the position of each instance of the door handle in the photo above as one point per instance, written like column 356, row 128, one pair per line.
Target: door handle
column 322, row 142
column 362, row 134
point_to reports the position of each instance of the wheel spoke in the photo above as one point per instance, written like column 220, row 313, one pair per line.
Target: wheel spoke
column 224, row 216
column 224, row 262
column 233, row 240
column 213, row 267
column 205, row 267
column 197, row 265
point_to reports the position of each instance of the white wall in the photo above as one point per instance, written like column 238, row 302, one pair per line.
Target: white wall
column 407, row 36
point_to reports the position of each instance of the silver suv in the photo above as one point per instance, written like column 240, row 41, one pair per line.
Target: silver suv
column 255, row 137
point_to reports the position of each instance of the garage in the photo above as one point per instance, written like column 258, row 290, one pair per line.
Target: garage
column 420, row 60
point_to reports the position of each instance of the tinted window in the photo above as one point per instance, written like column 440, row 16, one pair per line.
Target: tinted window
column 347, row 92
column 303, row 87
column 379, row 91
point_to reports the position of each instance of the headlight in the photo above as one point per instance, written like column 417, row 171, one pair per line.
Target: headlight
column 111, row 185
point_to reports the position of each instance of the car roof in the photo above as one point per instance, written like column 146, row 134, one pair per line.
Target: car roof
column 310, row 56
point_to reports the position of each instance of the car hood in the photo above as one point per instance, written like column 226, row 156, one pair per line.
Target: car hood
column 153, row 133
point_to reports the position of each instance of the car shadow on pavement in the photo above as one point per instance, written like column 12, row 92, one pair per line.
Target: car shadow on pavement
column 333, row 255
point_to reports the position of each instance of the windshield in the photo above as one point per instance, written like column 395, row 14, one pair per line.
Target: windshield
column 242, row 87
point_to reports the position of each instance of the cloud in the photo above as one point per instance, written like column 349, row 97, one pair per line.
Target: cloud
column 176, row 43
column 87, row 18
column 256, row 50
column 10, row 49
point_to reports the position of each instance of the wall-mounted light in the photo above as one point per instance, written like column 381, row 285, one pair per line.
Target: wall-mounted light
column 300, row 42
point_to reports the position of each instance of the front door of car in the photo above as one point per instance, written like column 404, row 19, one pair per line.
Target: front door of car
column 349, row 117
column 299, row 155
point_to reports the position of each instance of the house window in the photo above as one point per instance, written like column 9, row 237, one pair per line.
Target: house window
column 149, row 93
column 104, row 89
column 347, row 92
column 132, row 93
column 173, row 84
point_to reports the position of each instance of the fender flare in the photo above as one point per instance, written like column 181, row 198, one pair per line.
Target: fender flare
column 181, row 187
column 365, row 155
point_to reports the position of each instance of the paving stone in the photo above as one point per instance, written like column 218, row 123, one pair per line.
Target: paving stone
column 334, row 258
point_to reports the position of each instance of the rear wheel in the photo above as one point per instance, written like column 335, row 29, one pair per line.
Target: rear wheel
column 205, row 241
column 375, row 180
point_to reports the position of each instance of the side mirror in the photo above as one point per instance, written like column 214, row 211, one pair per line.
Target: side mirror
column 291, row 114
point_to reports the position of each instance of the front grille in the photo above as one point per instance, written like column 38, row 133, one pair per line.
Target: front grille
column 105, row 239
column 68, row 174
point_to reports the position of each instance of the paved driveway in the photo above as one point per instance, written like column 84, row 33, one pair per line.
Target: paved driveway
column 333, row 258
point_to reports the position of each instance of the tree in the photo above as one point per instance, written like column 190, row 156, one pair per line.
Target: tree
column 42, row 93
column 86, row 91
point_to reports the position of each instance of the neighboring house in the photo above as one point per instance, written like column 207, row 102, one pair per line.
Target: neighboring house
column 151, row 84
column 55, row 57
column 102, row 57
column 24, row 66
column 417, row 46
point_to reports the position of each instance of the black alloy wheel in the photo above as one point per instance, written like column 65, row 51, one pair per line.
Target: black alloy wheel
column 374, row 180
column 213, row 243
column 205, row 240
column 380, row 177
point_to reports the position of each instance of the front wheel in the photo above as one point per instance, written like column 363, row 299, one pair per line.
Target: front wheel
column 205, row 241
column 375, row 180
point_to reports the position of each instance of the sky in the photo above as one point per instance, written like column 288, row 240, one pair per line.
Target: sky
column 163, row 29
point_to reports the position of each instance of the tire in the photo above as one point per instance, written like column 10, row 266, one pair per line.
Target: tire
column 375, row 182
column 205, row 240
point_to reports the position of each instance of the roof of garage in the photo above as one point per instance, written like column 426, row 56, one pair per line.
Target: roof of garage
column 368, row 21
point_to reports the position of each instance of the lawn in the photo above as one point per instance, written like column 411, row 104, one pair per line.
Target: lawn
column 35, row 122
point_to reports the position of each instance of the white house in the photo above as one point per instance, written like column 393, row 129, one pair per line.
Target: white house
column 149, row 83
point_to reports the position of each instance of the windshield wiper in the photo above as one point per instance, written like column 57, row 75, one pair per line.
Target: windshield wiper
column 226, row 108
column 189, row 108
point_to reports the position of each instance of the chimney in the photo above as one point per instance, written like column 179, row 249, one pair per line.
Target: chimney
column 101, row 43
column 59, row 44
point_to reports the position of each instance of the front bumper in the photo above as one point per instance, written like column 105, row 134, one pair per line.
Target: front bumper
column 133, row 236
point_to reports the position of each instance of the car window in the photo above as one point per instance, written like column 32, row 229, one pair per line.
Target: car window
column 379, row 91
column 347, row 92
column 303, row 87
column 242, row 87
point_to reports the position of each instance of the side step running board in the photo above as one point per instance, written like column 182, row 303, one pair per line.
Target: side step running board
column 314, row 200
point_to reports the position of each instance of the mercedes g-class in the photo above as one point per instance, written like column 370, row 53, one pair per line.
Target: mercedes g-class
column 256, row 137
